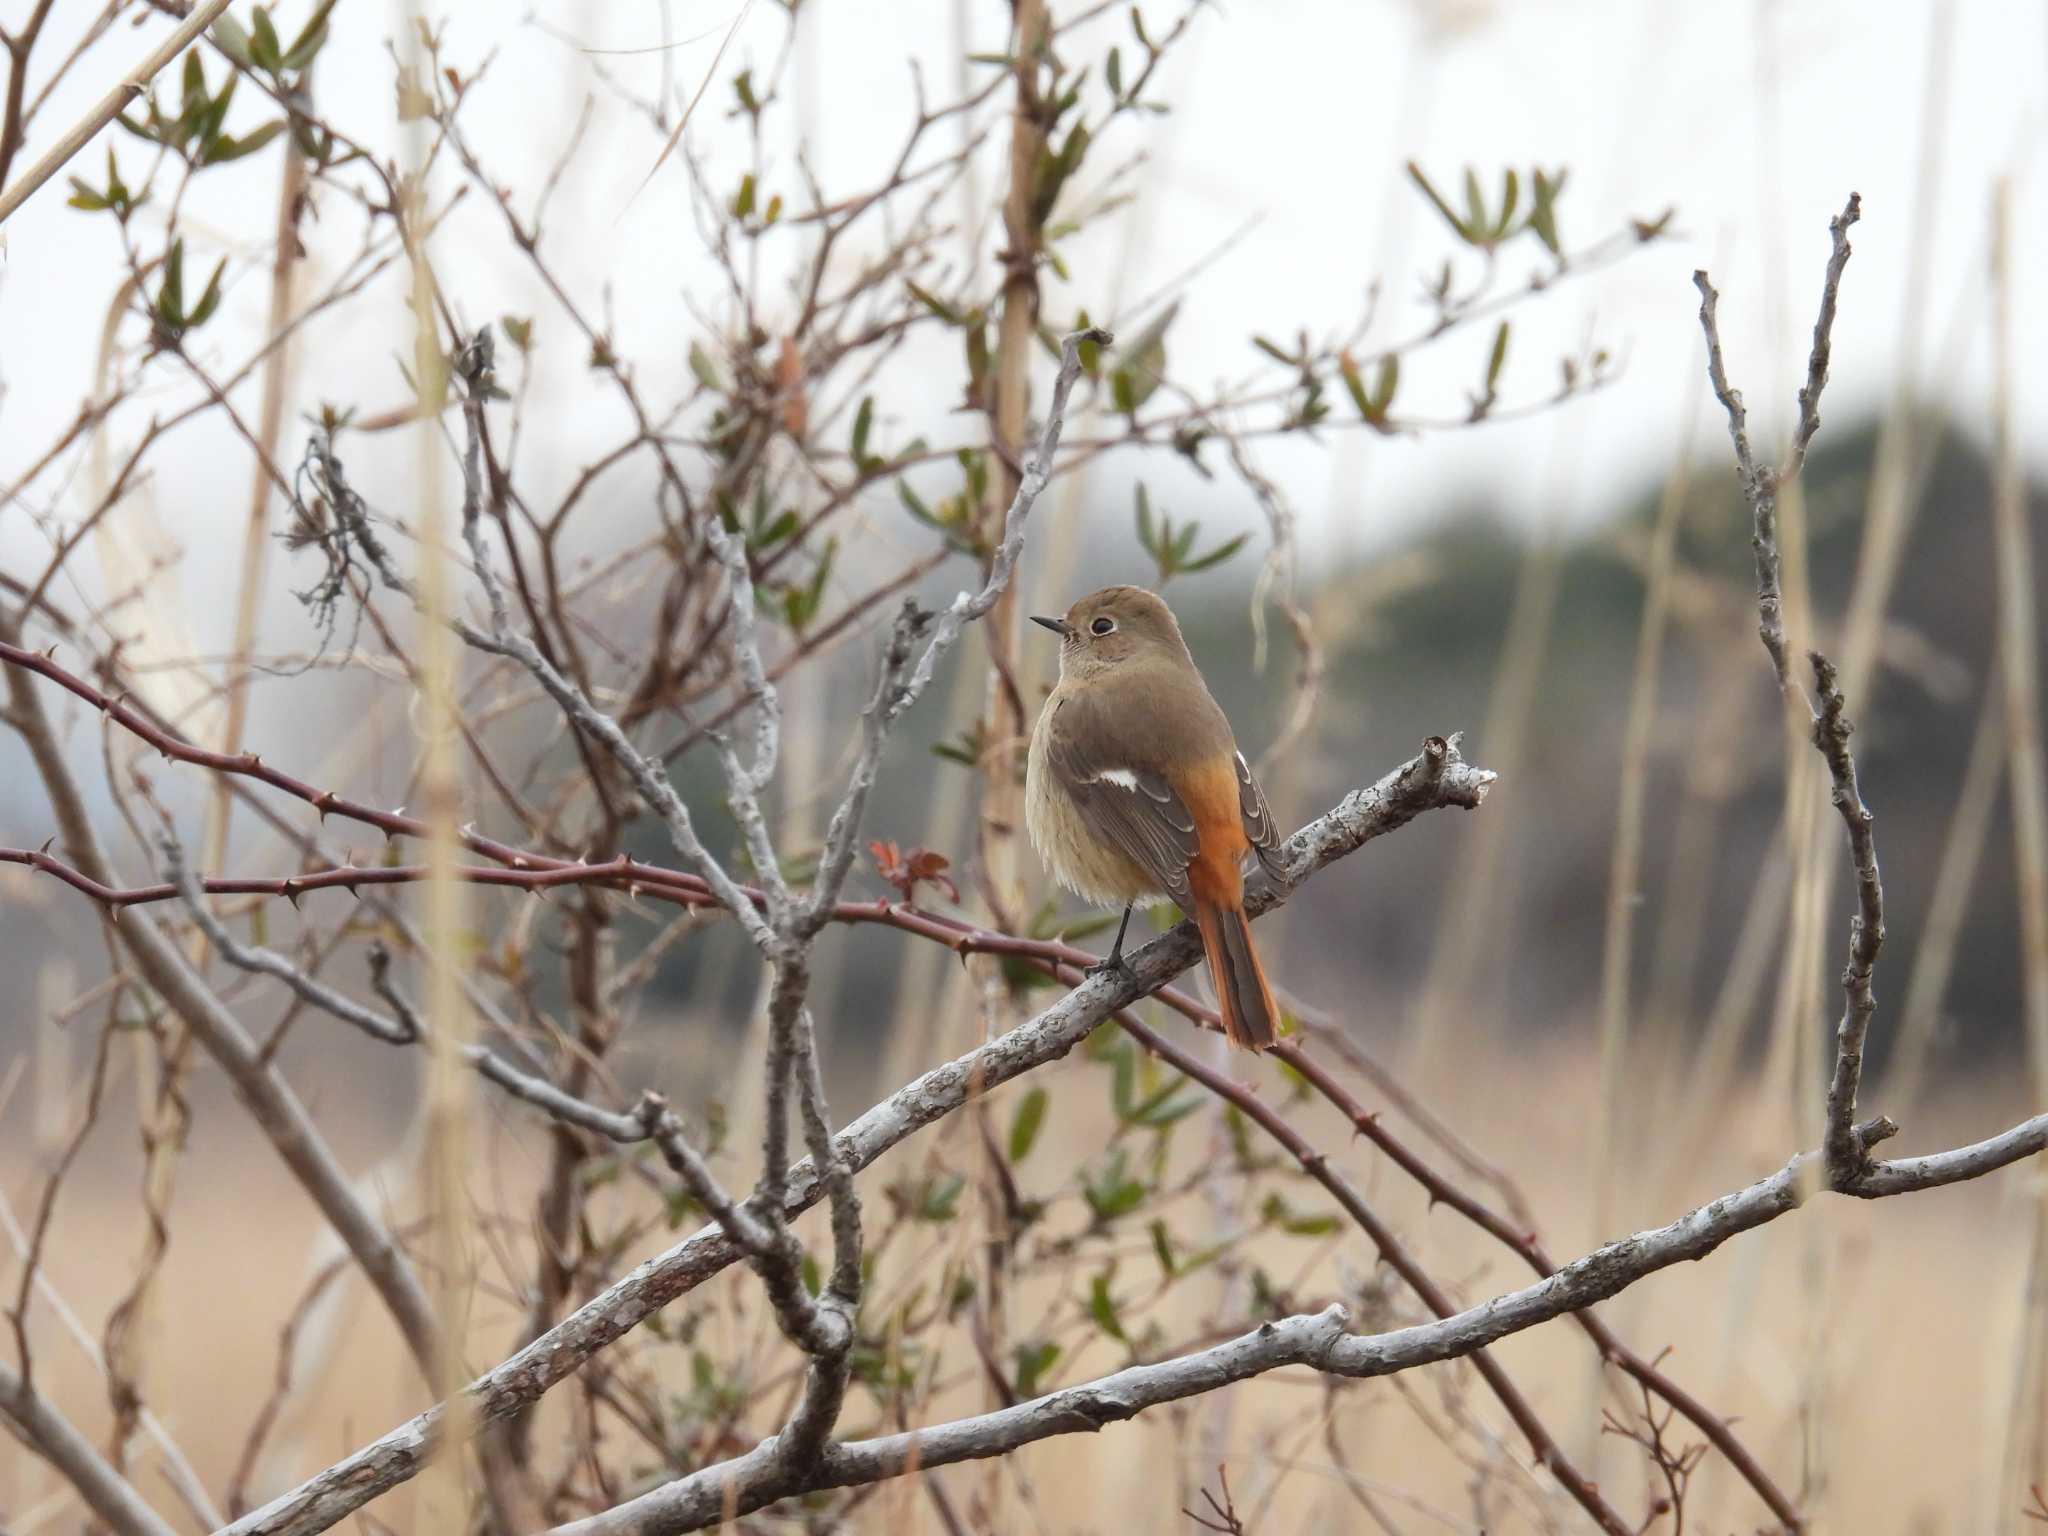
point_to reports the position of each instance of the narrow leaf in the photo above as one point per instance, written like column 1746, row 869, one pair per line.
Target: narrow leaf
column 1024, row 1129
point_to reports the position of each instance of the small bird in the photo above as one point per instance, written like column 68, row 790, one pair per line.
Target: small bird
column 1135, row 789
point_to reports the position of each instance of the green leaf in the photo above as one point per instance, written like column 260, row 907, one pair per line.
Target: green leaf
column 209, row 300
column 83, row 196
column 1475, row 203
column 311, row 39
column 1162, row 1248
column 170, row 297
column 1114, row 71
column 192, row 85
column 1354, row 385
column 940, row 1200
column 1146, row 539
column 1144, row 361
column 1090, row 352
column 1510, row 194
column 1102, row 1306
column 225, row 148
column 1123, row 1083
column 1543, row 212
column 1111, row 1192
column 264, row 46
column 743, row 200
column 935, row 304
column 232, row 38
column 1025, row 1127
column 1218, row 555
column 1498, row 359
column 863, row 420
column 518, row 330
column 914, row 504
column 1277, row 1213
column 1033, row 1361
column 1274, row 350
column 1436, row 199
column 813, row 1281
column 207, row 126
column 704, row 368
column 1161, row 1098
column 1384, row 386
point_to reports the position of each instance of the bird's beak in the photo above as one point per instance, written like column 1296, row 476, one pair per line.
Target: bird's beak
column 1057, row 626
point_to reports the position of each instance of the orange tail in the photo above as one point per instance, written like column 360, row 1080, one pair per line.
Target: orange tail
column 1250, row 1016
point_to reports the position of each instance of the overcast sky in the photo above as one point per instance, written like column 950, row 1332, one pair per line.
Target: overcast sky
column 1754, row 120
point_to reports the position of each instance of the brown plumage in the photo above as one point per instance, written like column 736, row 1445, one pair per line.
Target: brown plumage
column 1135, row 789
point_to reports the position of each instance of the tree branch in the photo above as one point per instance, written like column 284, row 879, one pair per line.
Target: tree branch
column 276, row 1108
column 51, row 1436
column 1847, row 1153
column 1761, row 483
column 1434, row 780
column 1318, row 1340
column 109, row 106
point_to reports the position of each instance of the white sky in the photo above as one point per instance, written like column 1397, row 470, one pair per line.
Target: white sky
column 1754, row 119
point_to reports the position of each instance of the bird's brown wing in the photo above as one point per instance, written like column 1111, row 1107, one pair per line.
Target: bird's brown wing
column 1132, row 809
column 1259, row 829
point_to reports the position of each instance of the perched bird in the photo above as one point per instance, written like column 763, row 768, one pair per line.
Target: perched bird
column 1135, row 790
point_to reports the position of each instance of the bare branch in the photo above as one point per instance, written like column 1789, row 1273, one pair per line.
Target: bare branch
column 1761, row 483
column 1846, row 1154
column 276, row 1108
column 50, row 1435
column 1831, row 728
column 1320, row 1340
column 1823, row 339
column 1434, row 780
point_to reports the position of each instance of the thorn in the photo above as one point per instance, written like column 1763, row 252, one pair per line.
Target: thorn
column 293, row 890
column 251, row 761
column 324, row 802
column 519, row 861
column 47, row 842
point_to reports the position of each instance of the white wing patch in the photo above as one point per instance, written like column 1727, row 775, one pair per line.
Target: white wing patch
column 1122, row 778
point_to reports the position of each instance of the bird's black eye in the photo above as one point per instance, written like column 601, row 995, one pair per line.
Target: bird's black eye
column 1103, row 625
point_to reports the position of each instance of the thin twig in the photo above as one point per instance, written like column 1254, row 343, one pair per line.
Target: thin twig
column 109, row 106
